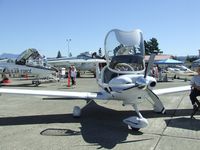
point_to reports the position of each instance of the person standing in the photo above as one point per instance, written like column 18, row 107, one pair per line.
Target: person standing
column 5, row 77
column 73, row 75
column 69, row 76
column 195, row 89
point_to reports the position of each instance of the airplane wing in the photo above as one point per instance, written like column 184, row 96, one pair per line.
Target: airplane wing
column 157, row 103
column 172, row 90
column 63, row 94
column 82, row 95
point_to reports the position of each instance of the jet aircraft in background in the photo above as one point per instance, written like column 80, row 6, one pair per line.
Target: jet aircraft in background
column 86, row 61
column 28, row 63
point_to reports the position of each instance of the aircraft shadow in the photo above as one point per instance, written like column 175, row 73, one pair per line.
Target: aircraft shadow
column 184, row 123
column 99, row 125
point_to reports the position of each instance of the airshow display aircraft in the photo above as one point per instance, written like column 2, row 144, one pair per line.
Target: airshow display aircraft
column 84, row 62
column 125, row 78
column 28, row 63
column 179, row 71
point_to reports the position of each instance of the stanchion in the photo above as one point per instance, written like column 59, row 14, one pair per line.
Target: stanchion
column 26, row 76
column 68, row 80
column 74, row 80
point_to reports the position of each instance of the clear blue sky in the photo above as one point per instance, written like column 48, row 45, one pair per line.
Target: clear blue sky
column 46, row 24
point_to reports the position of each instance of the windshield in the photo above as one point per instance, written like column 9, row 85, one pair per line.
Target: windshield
column 124, row 51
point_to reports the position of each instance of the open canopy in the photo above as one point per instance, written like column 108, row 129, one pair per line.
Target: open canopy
column 168, row 61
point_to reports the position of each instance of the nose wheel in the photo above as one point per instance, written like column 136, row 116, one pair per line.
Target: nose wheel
column 135, row 129
column 135, row 123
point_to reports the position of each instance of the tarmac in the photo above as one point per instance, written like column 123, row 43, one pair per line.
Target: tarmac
column 35, row 123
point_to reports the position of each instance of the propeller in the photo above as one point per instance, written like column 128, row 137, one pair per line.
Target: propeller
column 150, row 64
column 158, row 105
column 141, row 81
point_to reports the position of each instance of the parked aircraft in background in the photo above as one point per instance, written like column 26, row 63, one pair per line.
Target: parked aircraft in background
column 180, row 71
column 124, row 78
column 84, row 62
column 28, row 63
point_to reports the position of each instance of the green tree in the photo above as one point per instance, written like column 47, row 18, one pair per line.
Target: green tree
column 191, row 58
column 70, row 54
column 152, row 46
column 59, row 55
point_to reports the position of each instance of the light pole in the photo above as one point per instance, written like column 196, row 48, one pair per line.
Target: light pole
column 68, row 40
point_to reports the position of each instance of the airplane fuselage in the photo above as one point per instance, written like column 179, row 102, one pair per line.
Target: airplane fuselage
column 80, row 64
column 129, row 88
column 39, row 72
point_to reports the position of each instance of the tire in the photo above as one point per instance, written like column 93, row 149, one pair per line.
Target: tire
column 135, row 129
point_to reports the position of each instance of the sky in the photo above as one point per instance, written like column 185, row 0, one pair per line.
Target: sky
column 47, row 25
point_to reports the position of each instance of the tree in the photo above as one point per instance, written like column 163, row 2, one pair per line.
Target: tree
column 191, row 58
column 151, row 46
column 70, row 54
column 59, row 55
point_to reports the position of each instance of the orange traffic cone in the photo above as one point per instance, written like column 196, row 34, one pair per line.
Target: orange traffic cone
column 6, row 81
column 26, row 76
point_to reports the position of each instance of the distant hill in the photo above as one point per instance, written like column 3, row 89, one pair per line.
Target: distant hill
column 9, row 56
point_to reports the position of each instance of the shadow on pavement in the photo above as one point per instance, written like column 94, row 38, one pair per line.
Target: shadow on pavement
column 184, row 123
column 101, row 126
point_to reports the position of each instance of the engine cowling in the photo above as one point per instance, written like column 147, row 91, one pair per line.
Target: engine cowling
column 119, row 83
column 151, row 82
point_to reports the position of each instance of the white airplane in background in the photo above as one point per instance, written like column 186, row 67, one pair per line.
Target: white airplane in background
column 29, row 63
column 124, row 78
column 178, row 71
column 84, row 62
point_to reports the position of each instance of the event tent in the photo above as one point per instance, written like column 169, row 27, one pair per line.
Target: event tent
column 168, row 61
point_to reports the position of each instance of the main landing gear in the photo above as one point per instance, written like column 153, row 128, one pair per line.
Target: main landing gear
column 36, row 82
column 77, row 110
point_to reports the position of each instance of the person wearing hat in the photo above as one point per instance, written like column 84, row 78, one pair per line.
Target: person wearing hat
column 195, row 89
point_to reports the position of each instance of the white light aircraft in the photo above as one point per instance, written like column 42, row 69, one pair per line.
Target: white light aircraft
column 124, row 78
column 178, row 71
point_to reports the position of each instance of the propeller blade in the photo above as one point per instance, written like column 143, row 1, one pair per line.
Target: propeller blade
column 150, row 64
column 155, row 101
